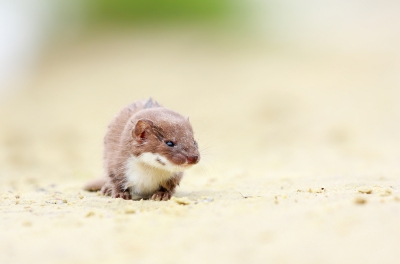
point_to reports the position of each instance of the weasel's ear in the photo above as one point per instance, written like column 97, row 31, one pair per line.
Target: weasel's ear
column 142, row 129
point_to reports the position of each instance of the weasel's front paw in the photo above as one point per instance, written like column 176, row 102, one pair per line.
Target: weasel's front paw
column 161, row 196
column 106, row 190
column 126, row 195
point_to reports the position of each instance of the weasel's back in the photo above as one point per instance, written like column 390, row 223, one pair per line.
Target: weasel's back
column 117, row 125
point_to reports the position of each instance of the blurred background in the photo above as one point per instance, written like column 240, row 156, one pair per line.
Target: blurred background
column 271, row 87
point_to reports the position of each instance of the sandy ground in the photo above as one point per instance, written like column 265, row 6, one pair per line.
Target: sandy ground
column 300, row 156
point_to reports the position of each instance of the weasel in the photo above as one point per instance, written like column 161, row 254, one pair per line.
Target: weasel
column 146, row 150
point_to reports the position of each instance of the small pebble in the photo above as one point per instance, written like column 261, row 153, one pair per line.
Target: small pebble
column 90, row 214
column 360, row 200
column 366, row 190
column 181, row 200
column 129, row 209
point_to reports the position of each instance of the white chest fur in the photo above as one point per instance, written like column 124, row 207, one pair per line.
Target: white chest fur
column 144, row 174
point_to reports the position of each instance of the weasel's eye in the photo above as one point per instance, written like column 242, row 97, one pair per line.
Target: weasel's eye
column 169, row 143
column 195, row 144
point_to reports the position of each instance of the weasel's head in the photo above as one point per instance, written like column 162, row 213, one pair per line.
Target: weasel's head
column 164, row 139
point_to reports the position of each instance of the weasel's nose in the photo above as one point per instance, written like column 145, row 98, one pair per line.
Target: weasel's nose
column 192, row 159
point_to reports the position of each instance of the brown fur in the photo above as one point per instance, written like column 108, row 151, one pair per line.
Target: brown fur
column 143, row 127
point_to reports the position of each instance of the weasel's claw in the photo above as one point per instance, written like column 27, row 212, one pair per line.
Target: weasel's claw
column 124, row 195
column 106, row 190
column 161, row 196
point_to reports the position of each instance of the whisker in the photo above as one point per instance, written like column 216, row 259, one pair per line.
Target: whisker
column 205, row 168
